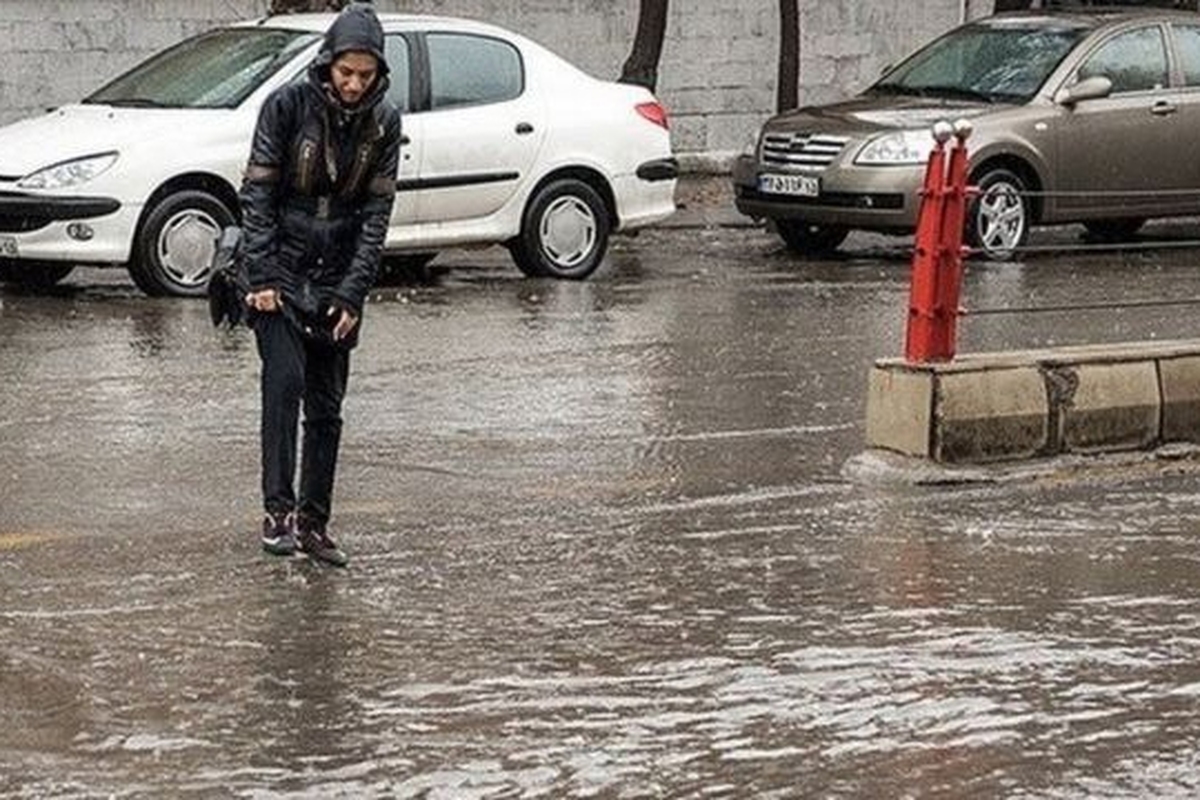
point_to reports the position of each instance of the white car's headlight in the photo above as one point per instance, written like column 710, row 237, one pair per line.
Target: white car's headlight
column 68, row 173
column 900, row 147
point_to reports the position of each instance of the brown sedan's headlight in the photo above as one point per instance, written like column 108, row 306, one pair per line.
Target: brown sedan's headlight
column 897, row 148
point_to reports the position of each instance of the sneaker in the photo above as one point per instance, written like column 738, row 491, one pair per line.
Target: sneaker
column 319, row 545
column 279, row 535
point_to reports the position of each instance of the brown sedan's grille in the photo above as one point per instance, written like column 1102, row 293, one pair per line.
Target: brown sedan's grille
column 803, row 150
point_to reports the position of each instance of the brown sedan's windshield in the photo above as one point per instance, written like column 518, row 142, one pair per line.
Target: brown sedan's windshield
column 992, row 63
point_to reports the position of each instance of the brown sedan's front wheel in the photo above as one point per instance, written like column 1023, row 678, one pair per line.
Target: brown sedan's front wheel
column 1000, row 215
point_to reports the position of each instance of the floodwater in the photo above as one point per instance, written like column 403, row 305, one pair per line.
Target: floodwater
column 612, row 539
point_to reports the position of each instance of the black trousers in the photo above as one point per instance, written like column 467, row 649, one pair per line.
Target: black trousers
column 297, row 370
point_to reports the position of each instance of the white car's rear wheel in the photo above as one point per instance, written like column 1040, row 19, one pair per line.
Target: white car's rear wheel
column 174, row 249
column 564, row 233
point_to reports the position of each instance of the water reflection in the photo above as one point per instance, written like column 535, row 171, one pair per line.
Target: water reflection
column 603, row 546
column 302, row 715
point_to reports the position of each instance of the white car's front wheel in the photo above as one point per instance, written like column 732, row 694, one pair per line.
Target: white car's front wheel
column 564, row 233
column 174, row 249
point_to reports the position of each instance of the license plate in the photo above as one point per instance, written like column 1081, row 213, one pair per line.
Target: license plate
column 799, row 185
column 8, row 246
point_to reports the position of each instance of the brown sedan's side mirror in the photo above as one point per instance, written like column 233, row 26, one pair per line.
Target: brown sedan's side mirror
column 1087, row 89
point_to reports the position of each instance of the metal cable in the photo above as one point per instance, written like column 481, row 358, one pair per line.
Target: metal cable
column 1093, row 248
column 982, row 312
column 1110, row 247
column 1107, row 193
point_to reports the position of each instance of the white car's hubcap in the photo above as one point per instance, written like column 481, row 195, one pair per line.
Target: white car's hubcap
column 186, row 246
column 568, row 231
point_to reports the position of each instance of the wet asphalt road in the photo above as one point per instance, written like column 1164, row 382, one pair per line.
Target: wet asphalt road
column 609, row 539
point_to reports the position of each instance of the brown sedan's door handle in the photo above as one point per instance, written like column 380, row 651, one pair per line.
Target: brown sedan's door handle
column 524, row 128
column 1163, row 107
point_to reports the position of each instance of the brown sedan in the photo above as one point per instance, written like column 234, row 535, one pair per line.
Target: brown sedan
column 1090, row 117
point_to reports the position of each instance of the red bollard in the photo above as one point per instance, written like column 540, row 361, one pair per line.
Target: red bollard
column 937, row 255
column 922, row 298
column 950, row 261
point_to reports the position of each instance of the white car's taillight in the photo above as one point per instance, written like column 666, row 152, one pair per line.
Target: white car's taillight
column 653, row 112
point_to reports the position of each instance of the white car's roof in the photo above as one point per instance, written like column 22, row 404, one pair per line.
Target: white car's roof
column 391, row 21
column 319, row 23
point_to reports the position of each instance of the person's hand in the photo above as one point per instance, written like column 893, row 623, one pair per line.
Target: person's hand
column 345, row 323
column 267, row 300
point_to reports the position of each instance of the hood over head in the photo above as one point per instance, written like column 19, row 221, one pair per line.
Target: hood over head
column 356, row 28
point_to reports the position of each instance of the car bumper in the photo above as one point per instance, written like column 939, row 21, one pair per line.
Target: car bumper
column 81, row 230
column 26, row 212
column 644, row 201
column 660, row 169
column 874, row 198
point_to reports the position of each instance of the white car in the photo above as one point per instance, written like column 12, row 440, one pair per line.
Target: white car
column 504, row 142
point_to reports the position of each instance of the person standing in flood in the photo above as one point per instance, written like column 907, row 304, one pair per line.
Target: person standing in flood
column 316, row 200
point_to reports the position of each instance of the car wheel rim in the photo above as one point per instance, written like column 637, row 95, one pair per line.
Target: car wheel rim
column 1001, row 219
column 568, row 231
column 186, row 246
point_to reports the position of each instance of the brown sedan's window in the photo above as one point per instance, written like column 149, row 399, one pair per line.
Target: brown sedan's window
column 1187, row 43
column 1134, row 61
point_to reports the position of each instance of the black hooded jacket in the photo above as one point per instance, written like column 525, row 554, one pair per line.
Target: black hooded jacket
column 321, row 179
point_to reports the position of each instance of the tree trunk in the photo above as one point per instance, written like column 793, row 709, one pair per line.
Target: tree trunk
column 642, row 65
column 1012, row 5
column 787, row 93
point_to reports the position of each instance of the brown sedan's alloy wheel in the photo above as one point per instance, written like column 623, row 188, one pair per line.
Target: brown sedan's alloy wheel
column 999, row 217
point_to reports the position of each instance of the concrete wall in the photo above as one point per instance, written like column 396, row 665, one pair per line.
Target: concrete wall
column 717, row 74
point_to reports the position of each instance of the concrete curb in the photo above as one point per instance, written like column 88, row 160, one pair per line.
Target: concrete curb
column 991, row 407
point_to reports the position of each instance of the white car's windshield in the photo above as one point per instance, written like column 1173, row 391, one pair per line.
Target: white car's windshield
column 988, row 62
column 218, row 69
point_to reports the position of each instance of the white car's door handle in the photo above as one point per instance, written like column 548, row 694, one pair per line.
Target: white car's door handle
column 524, row 128
column 1163, row 108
